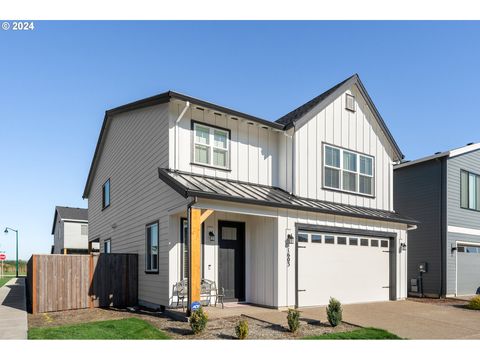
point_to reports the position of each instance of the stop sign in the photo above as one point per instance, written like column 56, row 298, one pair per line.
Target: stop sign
column 3, row 257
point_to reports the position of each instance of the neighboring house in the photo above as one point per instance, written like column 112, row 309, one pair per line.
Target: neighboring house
column 70, row 230
column 442, row 191
column 284, row 213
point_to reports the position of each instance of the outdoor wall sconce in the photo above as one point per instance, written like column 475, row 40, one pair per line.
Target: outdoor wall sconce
column 290, row 239
column 454, row 248
column 403, row 247
column 211, row 235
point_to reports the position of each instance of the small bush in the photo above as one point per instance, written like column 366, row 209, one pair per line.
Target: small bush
column 198, row 321
column 474, row 303
column 293, row 319
column 242, row 329
column 334, row 312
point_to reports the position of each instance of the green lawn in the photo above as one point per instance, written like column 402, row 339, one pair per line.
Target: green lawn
column 360, row 334
column 130, row 328
column 3, row 281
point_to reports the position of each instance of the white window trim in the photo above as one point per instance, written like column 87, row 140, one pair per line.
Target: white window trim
column 341, row 170
column 211, row 146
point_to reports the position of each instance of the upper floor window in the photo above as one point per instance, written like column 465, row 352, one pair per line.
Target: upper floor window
column 84, row 230
column 469, row 190
column 151, row 253
column 106, row 194
column 348, row 171
column 107, row 246
column 211, row 145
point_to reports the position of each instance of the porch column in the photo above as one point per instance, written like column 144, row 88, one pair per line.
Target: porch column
column 194, row 252
column 195, row 218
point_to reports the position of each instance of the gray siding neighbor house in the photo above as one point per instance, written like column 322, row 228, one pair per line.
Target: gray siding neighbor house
column 442, row 191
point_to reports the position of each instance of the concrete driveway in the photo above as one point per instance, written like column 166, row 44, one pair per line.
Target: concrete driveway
column 410, row 319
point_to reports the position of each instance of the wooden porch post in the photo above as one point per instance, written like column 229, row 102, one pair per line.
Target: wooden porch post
column 196, row 218
column 194, row 251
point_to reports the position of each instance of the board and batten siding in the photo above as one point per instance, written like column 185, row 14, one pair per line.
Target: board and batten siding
column 253, row 148
column 358, row 131
column 260, row 254
column 419, row 194
column 456, row 216
column 136, row 144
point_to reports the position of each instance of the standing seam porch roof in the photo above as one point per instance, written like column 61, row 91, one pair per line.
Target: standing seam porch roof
column 189, row 185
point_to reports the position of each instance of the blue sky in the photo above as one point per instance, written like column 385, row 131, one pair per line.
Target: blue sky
column 57, row 81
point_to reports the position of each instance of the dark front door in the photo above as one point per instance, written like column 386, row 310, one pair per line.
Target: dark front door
column 231, row 259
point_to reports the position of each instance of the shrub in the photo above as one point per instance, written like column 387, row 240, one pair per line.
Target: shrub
column 293, row 319
column 334, row 312
column 474, row 303
column 198, row 321
column 242, row 329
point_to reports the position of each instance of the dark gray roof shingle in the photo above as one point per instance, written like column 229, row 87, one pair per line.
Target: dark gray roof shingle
column 188, row 184
column 69, row 213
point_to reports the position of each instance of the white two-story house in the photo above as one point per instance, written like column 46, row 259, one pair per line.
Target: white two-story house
column 284, row 213
column 70, row 230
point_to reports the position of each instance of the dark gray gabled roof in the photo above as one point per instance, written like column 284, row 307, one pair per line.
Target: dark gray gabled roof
column 189, row 185
column 69, row 213
column 289, row 120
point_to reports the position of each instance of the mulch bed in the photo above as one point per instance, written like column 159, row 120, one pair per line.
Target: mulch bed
column 216, row 329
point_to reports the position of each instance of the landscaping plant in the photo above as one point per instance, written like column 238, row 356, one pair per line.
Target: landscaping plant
column 198, row 321
column 474, row 303
column 334, row 312
column 293, row 319
column 242, row 329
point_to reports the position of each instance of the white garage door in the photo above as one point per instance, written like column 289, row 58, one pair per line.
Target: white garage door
column 352, row 269
column 468, row 269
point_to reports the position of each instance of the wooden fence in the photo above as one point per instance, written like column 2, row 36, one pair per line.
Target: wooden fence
column 65, row 282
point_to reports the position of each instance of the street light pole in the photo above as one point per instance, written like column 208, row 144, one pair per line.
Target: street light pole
column 16, row 248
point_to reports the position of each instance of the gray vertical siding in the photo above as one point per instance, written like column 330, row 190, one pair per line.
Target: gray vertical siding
column 418, row 194
column 456, row 216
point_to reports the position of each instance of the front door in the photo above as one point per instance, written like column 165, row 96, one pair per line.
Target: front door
column 231, row 259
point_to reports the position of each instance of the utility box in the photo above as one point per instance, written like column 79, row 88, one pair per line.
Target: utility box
column 414, row 285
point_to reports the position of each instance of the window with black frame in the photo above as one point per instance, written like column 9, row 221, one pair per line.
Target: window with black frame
column 151, row 253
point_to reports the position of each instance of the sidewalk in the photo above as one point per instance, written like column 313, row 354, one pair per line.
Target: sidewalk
column 13, row 314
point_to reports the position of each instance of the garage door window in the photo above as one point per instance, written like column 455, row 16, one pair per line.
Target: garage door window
column 316, row 238
column 329, row 239
column 302, row 237
column 341, row 240
column 374, row 243
column 353, row 241
column 469, row 249
column 364, row 242
column 384, row 243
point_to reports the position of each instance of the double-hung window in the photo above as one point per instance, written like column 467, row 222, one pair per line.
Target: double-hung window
column 107, row 246
column 348, row 171
column 211, row 146
column 469, row 190
column 151, row 253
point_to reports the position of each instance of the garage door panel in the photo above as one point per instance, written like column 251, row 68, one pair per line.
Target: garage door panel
column 350, row 273
column 468, row 273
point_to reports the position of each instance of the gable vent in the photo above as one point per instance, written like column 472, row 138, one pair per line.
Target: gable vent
column 350, row 102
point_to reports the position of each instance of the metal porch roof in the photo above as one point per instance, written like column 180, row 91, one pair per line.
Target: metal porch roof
column 188, row 185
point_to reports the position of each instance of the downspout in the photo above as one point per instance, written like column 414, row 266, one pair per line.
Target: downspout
column 187, row 105
column 189, row 279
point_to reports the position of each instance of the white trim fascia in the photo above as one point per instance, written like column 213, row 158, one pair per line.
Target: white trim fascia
column 236, row 208
column 450, row 154
column 74, row 220
column 463, row 230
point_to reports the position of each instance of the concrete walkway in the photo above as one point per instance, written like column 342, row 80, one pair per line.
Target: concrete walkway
column 407, row 319
column 13, row 314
